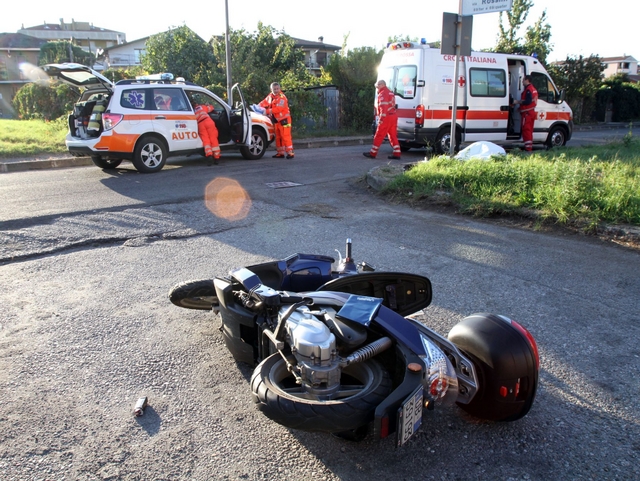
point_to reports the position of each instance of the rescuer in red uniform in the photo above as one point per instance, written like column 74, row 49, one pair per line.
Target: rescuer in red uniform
column 387, row 123
column 528, row 102
column 207, row 130
column 277, row 107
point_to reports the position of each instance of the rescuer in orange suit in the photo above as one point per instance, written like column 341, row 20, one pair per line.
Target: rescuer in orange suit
column 387, row 123
column 528, row 102
column 207, row 130
column 277, row 107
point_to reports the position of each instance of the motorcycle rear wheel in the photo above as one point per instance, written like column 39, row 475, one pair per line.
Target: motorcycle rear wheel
column 363, row 386
column 197, row 294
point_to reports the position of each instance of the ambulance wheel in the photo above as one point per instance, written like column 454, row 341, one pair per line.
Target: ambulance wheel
column 257, row 148
column 443, row 141
column 105, row 163
column 150, row 155
column 557, row 137
column 506, row 363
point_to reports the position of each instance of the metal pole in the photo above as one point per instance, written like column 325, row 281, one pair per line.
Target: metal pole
column 456, row 71
column 228, row 54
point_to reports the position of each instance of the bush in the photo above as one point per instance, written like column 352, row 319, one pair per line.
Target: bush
column 44, row 101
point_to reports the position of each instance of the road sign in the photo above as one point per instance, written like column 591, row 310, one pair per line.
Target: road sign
column 475, row 7
column 449, row 42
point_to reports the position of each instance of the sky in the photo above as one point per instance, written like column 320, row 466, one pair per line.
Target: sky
column 577, row 28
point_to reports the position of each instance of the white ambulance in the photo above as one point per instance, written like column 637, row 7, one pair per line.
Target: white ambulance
column 423, row 81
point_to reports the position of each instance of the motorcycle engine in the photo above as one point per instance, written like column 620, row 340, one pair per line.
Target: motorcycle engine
column 314, row 347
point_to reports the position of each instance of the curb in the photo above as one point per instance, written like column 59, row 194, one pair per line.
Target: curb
column 20, row 165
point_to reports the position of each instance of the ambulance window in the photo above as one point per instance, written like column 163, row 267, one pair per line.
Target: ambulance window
column 405, row 85
column 169, row 99
column 546, row 90
column 200, row 98
column 133, row 99
column 487, row 82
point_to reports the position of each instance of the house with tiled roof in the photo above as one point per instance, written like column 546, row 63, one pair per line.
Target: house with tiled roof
column 624, row 64
column 16, row 50
column 82, row 34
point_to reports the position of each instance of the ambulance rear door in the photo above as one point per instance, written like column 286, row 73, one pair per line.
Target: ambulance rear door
column 487, row 98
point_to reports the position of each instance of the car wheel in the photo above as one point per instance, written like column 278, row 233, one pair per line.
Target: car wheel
column 150, row 155
column 258, row 145
column 105, row 163
column 557, row 137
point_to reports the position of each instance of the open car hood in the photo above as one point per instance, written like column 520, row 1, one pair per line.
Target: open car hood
column 77, row 75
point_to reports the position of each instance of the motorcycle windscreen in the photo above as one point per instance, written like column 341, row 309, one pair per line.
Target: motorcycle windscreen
column 401, row 292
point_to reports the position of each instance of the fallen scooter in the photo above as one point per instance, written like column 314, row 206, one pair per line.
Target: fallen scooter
column 338, row 350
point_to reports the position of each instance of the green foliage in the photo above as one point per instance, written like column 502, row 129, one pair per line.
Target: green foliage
column 63, row 51
column 181, row 52
column 117, row 74
column 259, row 58
column 536, row 39
column 44, row 101
column 581, row 78
column 586, row 185
column 354, row 74
column 621, row 96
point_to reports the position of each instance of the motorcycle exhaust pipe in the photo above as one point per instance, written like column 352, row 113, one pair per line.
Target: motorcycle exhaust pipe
column 367, row 352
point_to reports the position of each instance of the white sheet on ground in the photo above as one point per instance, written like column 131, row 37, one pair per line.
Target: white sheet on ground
column 480, row 150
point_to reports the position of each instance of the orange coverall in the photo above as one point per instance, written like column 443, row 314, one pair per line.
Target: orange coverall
column 207, row 131
column 277, row 107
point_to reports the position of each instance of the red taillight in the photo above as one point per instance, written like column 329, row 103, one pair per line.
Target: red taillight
column 419, row 115
column 384, row 427
column 531, row 340
column 109, row 121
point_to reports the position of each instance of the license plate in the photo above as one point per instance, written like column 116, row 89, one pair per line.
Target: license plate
column 409, row 416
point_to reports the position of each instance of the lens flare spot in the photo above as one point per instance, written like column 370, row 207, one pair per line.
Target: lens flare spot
column 227, row 199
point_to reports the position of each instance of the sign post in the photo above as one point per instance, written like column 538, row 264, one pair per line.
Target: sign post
column 459, row 27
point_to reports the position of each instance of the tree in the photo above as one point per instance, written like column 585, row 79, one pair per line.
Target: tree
column 354, row 74
column 620, row 97
column 64, row 51
column 259, row 58
column 581, row 78
column 181, row 52
column 536, row 38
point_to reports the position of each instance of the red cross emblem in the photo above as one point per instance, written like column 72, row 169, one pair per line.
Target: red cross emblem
column 542, row 115
column 462, row 81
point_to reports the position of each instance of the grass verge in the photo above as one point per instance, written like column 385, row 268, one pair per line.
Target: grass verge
column 583, row 186
column 21, row 138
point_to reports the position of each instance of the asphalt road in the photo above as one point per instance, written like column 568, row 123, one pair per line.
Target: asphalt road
column 87, row 259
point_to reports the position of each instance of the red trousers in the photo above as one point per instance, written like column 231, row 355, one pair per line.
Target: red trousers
column 528, row 118
column 388, row 125
column 209, row 134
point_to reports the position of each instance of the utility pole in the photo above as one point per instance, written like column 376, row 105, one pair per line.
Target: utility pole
column 228, row 54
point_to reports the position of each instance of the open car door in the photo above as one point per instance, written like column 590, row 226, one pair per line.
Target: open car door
column 243, row 111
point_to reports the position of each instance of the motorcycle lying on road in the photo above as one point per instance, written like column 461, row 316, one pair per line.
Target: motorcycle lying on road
column 340, row 350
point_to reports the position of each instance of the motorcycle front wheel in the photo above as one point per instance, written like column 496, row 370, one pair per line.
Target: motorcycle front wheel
column 362, row 387
column 199, row 294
